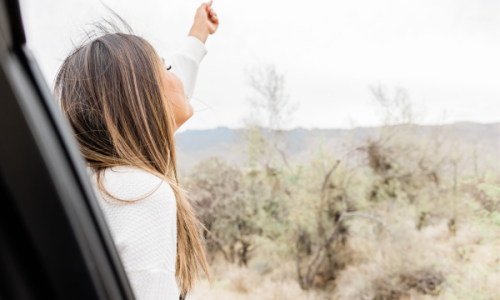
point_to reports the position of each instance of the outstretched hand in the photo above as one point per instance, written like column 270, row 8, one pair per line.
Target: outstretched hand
column 207, row 15
column 205, row 22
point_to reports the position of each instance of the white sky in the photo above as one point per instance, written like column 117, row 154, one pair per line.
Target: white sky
column 445, row 52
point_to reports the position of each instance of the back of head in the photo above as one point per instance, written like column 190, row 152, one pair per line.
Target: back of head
column 110, row 90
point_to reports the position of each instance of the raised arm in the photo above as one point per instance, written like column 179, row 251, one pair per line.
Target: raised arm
column 186, row 61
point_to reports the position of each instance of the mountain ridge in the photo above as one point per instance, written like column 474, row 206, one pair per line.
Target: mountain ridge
column 198, row 144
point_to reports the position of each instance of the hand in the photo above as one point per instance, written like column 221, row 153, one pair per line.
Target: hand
column 207, row 16
column 205, row 22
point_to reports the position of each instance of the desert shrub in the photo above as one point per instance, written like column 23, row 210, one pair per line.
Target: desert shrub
column 220, row 196
column 235, row 205
column 391, row 216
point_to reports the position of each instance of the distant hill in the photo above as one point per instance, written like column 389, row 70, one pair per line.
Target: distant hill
column 196, row 145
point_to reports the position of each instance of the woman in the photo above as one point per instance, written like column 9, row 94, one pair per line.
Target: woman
column 124, row 106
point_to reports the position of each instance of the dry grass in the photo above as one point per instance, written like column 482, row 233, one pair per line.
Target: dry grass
column 240, row 283
column 426, row 264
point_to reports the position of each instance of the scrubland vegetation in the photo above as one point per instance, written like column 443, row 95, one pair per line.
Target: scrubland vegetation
column 395, row 215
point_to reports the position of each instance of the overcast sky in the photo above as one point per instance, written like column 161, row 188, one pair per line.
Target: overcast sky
column 444, row 52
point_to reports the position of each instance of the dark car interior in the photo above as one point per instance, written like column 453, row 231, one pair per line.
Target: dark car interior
column 54, row 243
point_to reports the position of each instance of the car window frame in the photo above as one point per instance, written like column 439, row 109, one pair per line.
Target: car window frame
column 46, row 178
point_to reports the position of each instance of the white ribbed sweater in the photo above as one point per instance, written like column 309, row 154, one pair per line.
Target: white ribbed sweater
column 145, row 231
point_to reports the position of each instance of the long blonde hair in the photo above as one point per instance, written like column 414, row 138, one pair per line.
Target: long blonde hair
column 110, row 90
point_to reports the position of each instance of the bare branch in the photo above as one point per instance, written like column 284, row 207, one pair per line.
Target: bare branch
column 297, row 261
column 285, row 160
column 313, row 260
column 328, row 174
column 315, row 270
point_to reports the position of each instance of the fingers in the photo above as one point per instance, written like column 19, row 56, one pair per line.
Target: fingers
column 207, row 5
column 208, row 8
column 211, row 12
column 215, row 20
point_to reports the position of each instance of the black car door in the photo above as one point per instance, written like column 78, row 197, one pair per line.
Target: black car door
column 54, row 243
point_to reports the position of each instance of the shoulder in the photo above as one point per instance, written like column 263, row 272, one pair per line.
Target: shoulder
column 140, row 208
column 131, row 184
column 142, row 218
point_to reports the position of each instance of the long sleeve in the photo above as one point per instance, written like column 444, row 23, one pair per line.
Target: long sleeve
column 144, row 231
column 185, row 62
